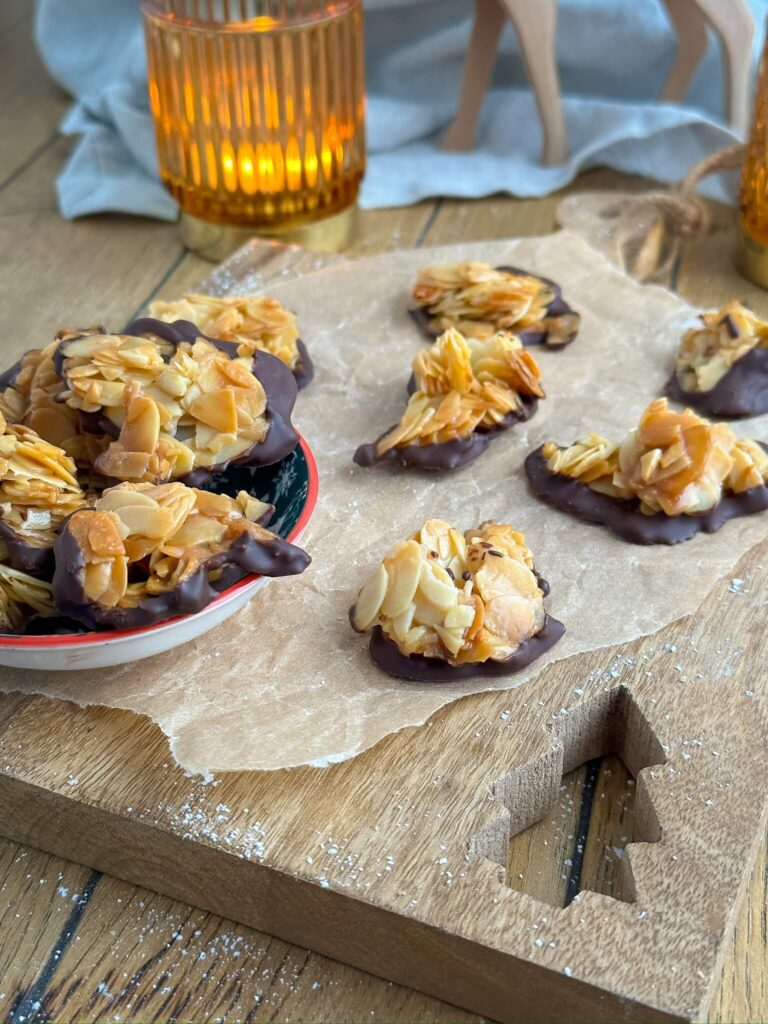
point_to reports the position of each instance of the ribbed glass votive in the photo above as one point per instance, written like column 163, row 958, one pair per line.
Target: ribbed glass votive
column 259, row 107
column 752, row 253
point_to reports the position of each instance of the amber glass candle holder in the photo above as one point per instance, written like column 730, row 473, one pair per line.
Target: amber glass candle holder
column 752, row 254
column 259, row 110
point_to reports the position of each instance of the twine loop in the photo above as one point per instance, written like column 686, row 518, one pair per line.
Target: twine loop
column 652, row 227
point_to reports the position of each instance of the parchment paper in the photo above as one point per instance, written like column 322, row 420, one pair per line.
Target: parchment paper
column 286, row 681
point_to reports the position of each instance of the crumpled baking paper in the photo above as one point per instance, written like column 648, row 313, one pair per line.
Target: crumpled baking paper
column 286, row 681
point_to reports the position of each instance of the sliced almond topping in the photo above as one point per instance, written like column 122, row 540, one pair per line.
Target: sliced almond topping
column 464, row 385
column 370, row 598
column 478, row 300
column 708, row 352
column 189, row 406
column 141, row 428
column 162, row 533
column 254, row 322
column 421, row 594
column 674, row 462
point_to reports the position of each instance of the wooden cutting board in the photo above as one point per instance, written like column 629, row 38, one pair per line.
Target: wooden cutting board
column 393, row 861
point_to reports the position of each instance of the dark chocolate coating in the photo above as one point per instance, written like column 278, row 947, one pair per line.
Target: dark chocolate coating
column 8, row 377
column 447, row 456
column 305, row 368
column 624, row 516
column 246, row 555
column 730, row 326
column 26, row 557
column 97, row 423
column 418, row 669
column 742, row 391
column 557, row 307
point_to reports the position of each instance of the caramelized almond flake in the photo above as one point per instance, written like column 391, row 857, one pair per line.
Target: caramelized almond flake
column 175, row 408
column 253, row 322
column 21, row 598
column 168, row 531
column 479, row 300
column 464, row 385
column 674, row 462
column 38, row 485
column 708, row 352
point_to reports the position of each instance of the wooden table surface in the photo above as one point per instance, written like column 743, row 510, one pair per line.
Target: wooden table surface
column 77, row 945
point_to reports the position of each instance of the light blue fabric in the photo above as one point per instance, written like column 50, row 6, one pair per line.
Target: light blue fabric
column 612, row 56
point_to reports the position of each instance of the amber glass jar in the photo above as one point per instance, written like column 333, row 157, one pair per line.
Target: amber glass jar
column 752, row 256
column 259, row 107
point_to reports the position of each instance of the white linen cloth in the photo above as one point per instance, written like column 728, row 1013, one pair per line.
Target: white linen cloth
column 612, row 54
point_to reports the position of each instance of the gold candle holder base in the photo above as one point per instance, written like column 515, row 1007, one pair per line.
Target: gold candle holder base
column 752, row 259
column 215, row 242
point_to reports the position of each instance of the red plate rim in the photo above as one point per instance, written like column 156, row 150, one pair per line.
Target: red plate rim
column 84, row 639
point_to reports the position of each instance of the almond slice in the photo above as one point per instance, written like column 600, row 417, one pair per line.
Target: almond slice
column 217, row 409
column 370, row 599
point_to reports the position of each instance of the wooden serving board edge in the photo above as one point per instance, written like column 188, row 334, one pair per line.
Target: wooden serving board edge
column 450, row 967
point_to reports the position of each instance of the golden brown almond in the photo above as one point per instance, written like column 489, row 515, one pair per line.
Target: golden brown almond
column 708, row 352
column 185, row 407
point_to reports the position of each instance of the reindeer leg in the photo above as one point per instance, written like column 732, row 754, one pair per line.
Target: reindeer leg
column 535, row 27
column 478, row 68
column 732, row 21
column 691, row 31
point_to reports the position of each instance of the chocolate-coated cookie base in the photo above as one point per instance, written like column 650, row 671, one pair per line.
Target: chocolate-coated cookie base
column 305, row 368
column 624, row 517
column 279, row 385
column 447, row 456
column 557, row 307
column 418, row 669
column 25, row 557
column 246, row 555
column 742, row 391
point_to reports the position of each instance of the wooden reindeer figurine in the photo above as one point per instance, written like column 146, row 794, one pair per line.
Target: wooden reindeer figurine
column 534, row 22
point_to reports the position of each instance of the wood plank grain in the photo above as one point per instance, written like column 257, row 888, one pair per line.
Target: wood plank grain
column 32, row 105
column 124, row 769
column 533, row 221
column 503, row 217
column 376, row 231
column 742, row 994
column 59, row 273
column 140, row 956
column 41, row 898
column 540, row 858
column 707, row 276
column 611, row 830
column 117, row 745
